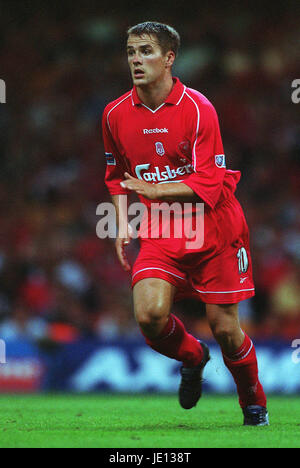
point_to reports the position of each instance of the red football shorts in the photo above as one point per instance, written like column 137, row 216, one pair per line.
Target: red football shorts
column 220, row 272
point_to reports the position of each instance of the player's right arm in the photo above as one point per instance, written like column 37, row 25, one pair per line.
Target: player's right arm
column 115, row 169
column 124, row 231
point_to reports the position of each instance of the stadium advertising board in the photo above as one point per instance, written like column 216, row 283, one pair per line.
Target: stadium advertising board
column 91, row 366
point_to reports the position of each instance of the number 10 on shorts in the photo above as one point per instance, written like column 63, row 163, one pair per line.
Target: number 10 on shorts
column 243, row 261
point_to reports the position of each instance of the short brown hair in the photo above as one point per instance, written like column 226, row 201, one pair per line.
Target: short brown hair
column 167, row 36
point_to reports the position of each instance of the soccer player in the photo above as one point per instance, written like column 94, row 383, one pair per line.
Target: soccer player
column 162, row 141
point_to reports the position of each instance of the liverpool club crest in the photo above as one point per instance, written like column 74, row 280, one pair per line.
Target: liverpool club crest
column 160, row 150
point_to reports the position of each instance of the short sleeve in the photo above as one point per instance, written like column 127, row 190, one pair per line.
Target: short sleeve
column 208, row 154
column 115, row 166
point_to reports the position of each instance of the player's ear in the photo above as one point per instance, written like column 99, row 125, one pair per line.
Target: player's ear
column 170, row 58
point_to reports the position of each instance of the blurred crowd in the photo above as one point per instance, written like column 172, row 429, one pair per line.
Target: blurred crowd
column 62, row 64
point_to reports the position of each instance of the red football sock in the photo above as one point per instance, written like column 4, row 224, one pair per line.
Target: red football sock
column 174, row 342
column 243, row 366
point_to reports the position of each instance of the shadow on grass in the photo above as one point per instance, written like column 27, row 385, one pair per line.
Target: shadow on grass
column 169, row 427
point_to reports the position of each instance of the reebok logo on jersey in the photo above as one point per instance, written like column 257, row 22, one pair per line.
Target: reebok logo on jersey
column 147, row 131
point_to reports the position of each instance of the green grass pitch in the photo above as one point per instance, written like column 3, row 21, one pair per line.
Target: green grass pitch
column 153, row 421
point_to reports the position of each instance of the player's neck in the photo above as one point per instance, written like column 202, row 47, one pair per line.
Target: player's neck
column 155, row 94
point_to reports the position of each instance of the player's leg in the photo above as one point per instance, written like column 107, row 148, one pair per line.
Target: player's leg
column 164, row 332
column 239, row 357
column 224, row 323
column 153, row 300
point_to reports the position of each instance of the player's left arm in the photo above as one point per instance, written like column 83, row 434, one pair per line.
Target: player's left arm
column 208, row 154
column 166, row 192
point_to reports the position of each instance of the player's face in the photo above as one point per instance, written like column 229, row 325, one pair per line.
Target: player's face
column 147, row 62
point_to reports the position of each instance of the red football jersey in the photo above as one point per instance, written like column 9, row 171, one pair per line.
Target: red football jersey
column 180, row 141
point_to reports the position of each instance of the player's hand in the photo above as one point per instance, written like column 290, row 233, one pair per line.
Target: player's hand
column 121, row 243
column 140, row 187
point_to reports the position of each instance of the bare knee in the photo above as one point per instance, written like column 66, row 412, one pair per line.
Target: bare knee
column 225, row 326
column 153, row 299
column 223, row 332
column 151, row 318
